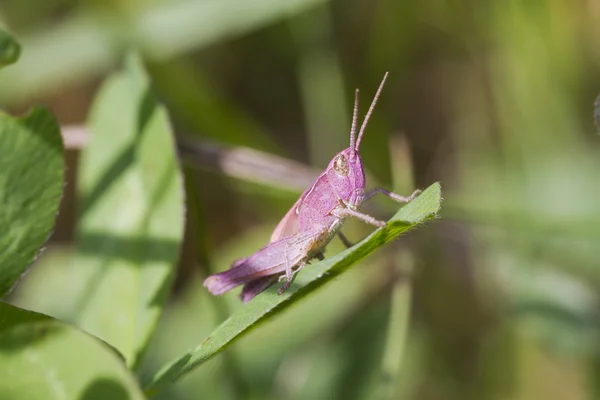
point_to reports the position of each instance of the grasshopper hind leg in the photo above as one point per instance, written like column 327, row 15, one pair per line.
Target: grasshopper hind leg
column 253, row 288
column 305, row 244
column 288, row 281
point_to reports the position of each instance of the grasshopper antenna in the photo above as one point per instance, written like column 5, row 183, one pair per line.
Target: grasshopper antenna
column 364, row 124
column 354, row 123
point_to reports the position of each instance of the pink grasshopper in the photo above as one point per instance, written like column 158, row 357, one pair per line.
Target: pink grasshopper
column 311, row 223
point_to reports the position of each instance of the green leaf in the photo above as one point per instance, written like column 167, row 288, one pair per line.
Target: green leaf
column 31, row 181
column 9, row 49
column 42, row 358
column 267, row 304
column 133, row 212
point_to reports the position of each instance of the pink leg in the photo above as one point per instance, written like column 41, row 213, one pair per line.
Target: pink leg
column 288, row 267
column 346, row 212
column 299, row 245
column 391, row 195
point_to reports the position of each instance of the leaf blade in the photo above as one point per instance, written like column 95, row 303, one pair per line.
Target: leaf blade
column 423, row 208
column 31, row 180
column 132, row 223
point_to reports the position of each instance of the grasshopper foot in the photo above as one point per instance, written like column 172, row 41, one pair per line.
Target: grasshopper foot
column 288, row 281
column 414, row 195
column 284, row 287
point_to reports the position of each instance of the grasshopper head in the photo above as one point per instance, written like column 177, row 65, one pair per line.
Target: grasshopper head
column 345, row 171
column 346, row 175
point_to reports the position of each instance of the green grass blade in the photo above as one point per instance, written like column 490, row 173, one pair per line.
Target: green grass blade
column 132, row 214
column 10, row 50
column 31, row 183
column 43, row 358
column 267, row 304
column 396, row 339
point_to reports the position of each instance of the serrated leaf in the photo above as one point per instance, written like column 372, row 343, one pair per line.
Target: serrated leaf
column 42, row 358
column 31, row 182
column 10, row 50
column 132, row 223
column 267, row 304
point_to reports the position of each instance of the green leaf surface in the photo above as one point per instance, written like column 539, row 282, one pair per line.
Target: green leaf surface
column 267, row 304
column 132, row 214
column 31, row 182
column 42, row 358
column 10, row 50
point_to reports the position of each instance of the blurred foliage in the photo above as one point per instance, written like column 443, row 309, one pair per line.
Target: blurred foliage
column 10, row 50
column 41, row 357
column 492, row 98
column 597, row 112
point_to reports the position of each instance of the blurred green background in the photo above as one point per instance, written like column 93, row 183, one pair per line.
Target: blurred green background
column 492, row 98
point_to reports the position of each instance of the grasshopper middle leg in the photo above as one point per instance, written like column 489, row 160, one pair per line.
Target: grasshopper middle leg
column 391, row 195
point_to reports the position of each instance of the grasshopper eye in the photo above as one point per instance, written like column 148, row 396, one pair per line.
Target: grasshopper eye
column 340, row 165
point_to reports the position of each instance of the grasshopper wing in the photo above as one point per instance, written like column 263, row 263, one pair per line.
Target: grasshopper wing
column 288, row 226
column 252, row 288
